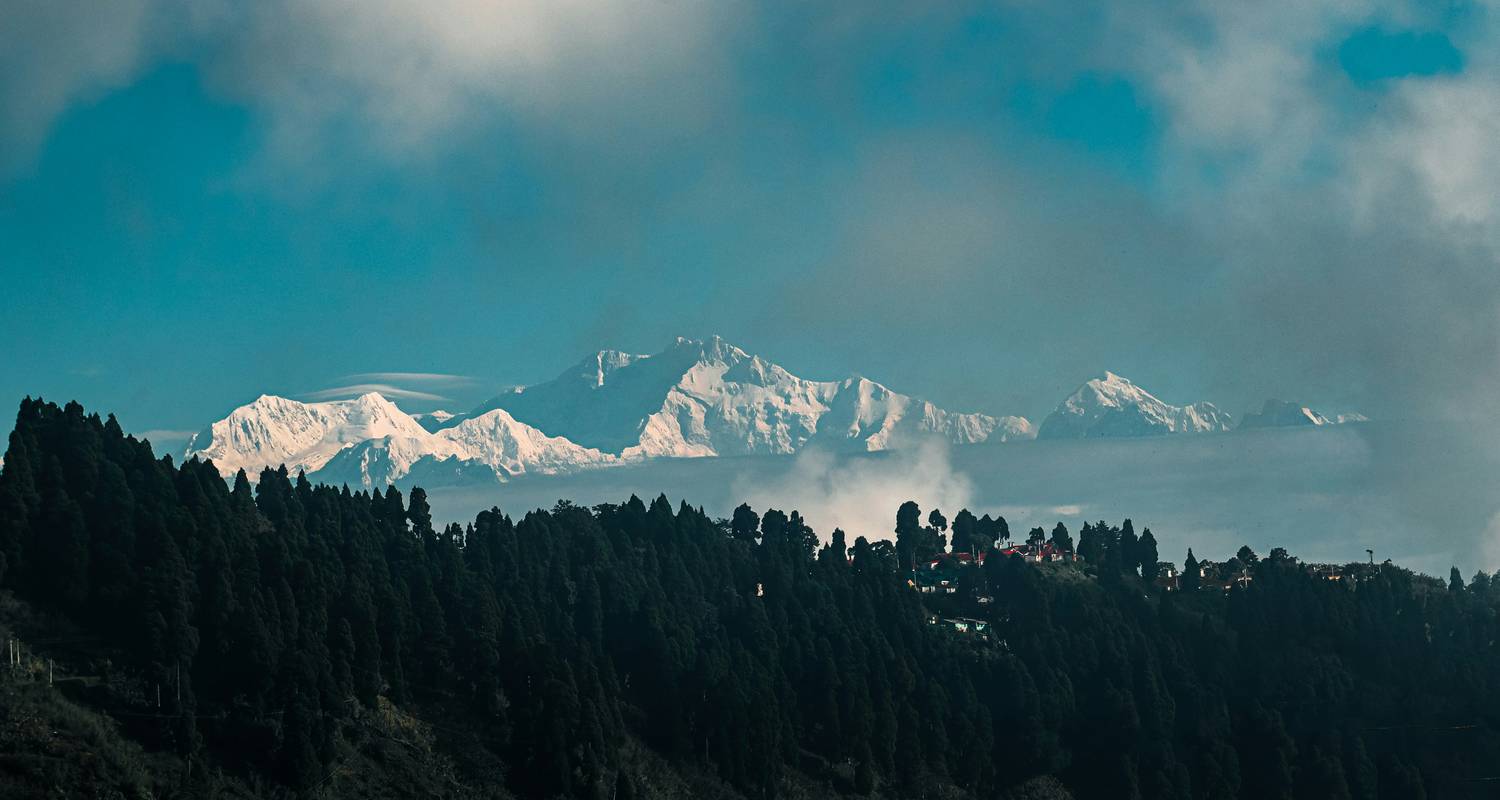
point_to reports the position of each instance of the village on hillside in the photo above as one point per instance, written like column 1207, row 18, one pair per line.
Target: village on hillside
column 956, row 579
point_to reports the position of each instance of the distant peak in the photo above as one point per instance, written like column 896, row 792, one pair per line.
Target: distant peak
column 714, row 348
column 1279, row 413
column 374, row 400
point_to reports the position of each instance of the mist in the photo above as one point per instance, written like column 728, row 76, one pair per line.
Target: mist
column 1325, row 494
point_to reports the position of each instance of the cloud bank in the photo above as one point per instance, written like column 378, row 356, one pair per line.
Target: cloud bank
column 397, row 74
column 860, row 495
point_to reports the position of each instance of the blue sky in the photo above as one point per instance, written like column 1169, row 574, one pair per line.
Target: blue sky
column 985, row 204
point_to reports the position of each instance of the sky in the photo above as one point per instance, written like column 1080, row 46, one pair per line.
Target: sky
column 981, row 203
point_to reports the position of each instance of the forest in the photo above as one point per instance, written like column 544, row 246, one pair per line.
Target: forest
column 277, row 635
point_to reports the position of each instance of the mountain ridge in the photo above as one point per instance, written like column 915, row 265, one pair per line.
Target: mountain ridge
column 697, row 398
column 1111, row 406
column 694, row 399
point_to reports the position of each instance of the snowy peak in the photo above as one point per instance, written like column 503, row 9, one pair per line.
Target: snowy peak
column 596, row 369
column 868, row 416
column 708, row 397
column 695, row 398
column 1281, row 414
column 1112, row 406
column 713, row 350
column 499, row 441
column 369, row 441
column 272, row 431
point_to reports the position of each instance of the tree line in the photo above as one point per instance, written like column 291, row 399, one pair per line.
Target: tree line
column 747, row 648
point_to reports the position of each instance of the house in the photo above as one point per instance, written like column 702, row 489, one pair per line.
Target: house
column 940, row 574
column 1039, row 553
column 967, row 625
column 1327, row 572
column 964, row 625
column 1167, row 577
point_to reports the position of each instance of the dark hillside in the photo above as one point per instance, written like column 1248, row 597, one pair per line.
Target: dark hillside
column 291, row 638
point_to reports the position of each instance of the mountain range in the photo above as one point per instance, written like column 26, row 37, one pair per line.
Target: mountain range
column 695, row 399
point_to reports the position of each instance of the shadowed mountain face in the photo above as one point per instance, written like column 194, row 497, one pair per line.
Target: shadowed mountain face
column 1280, row 414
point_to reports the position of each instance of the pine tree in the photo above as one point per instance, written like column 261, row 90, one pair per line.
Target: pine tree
column 1129, row 557
column 1090, row 547
column 745, row 523
column 1061, row 539
column 1191, row 580
column 908, row 534
column 966, row 538
column 1148, row 554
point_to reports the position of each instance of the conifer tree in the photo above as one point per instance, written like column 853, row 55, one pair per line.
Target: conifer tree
column 1148, row 554
column 908, row 533
column 965, row 537
column 1090, row 548
column 1061, row 539
column 745, row 523
column 1190, row 578
column 1129, row 557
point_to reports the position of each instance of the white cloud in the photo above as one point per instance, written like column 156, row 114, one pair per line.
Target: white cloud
column 1443, row 136
column 396, row 73
column 406, row 71
column 160, row 435
column 861, row 495
column 384, row 389
column 57, row 52
column 439, row 378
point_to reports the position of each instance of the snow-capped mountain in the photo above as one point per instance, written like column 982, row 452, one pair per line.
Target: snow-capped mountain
column 1281, row 414
column 710, row 398
column 368, row 441
column 1111, row 406
column 272, row 431
column 694, row 399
